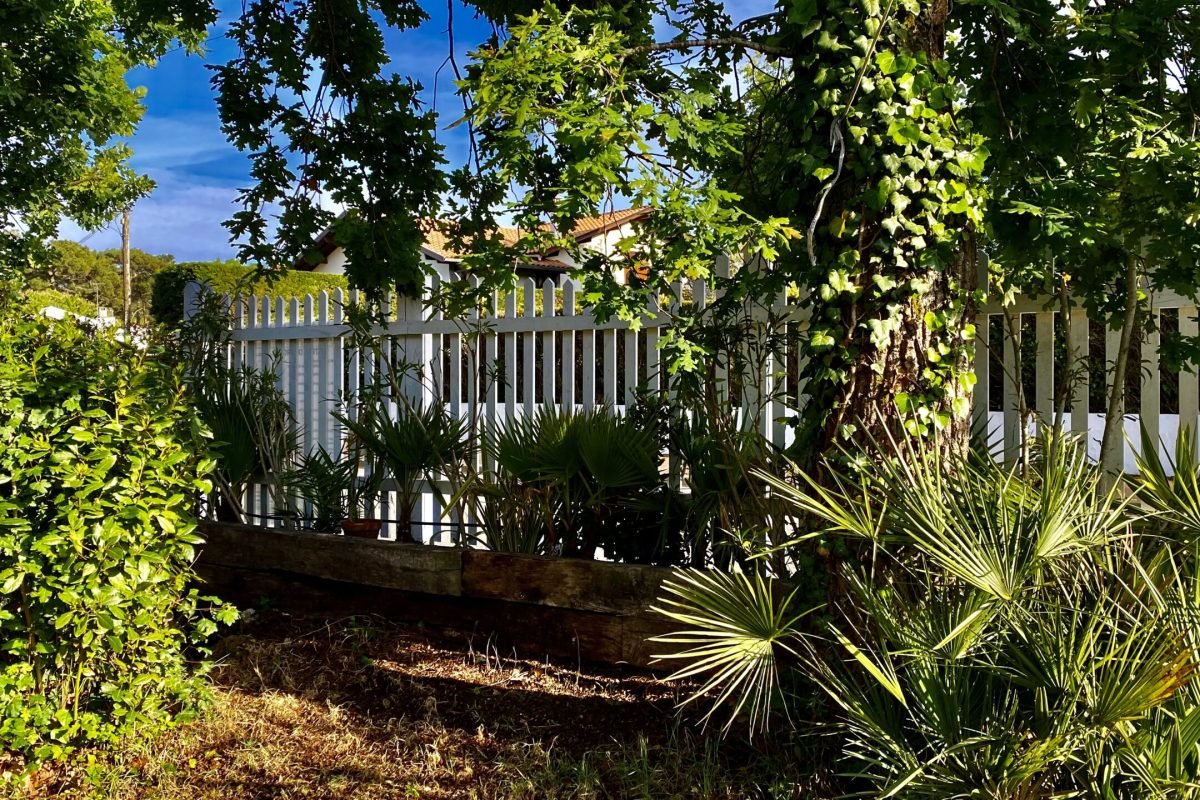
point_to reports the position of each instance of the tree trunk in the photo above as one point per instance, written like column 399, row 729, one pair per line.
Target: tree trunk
column 1114, row 418
column 868, row 416
column 126, row 272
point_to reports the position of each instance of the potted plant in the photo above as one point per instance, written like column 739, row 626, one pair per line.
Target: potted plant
column 362, row 489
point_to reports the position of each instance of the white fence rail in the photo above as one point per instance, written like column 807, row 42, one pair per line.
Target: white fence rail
column 536, row 346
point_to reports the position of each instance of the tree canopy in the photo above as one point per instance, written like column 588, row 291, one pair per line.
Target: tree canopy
column 66, row 103
column 866, row 151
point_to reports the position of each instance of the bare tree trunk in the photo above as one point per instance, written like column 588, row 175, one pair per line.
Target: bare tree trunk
column 1114, row 424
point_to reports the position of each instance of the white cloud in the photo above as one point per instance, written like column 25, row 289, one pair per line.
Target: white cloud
column 182, row 217
column 173, row 143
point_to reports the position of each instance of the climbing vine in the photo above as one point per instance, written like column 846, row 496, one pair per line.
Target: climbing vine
column 884, row 178
column 890, row 254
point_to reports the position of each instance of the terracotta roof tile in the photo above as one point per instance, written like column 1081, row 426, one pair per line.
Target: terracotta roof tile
column 587, row 227
column 438, row 244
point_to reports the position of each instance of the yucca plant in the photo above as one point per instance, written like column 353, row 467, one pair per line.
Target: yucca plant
column 254, row 432
column 1007, row 634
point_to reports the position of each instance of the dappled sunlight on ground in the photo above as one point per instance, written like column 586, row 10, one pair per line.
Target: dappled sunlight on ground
column 364, row 709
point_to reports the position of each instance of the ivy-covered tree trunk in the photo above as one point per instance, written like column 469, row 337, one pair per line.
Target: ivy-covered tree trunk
column 893, row 388
column 890, row 181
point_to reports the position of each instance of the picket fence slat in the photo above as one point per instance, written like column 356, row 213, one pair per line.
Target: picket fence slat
column 567, row 358
column 1112, row 349
column 1077, row 348
column 1189, row 390
column 1151, row 382
column 1044, row 333
column 1011, row 345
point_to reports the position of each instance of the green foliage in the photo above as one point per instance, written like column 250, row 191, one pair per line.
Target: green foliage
column 254, row 432
column 233, row 279
column 1112, row 171
column 63, row 83
column 95, row 276
column 570, row 111
column 256, row 439
column 101, row 467
column 515, row 518
column 78, row 270
column 1172, row 487
column 313, row 99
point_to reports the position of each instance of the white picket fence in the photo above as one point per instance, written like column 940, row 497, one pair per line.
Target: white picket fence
column 1085, row 360
column 516, row 356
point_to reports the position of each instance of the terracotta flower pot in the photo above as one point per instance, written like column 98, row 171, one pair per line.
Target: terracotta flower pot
column 362, row 528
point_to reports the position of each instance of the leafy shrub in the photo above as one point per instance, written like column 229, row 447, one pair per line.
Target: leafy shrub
column 229, row 278
column 99, row 470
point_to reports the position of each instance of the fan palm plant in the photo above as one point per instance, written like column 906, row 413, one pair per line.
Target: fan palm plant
column 412, row 444
column 1008, row 637
column 726, row 506
column 586, row 465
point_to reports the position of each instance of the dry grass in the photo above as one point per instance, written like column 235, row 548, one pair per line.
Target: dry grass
column 363, row 710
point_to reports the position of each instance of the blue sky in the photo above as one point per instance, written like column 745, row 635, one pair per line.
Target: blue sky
column 198, row 173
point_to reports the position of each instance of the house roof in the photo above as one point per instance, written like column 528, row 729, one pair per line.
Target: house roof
column 590, row 227
column 437, row 245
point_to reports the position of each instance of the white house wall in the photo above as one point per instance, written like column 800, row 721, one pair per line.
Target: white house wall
column 605, row 243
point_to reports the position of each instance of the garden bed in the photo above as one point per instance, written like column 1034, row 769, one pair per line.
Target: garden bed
column 588, row 611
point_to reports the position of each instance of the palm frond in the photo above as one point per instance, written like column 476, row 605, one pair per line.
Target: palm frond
column 735, row 631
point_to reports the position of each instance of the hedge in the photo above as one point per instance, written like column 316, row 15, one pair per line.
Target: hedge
column 229, row 277
column 37, row 299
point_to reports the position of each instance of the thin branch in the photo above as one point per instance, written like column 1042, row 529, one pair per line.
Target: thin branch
column 724, row 41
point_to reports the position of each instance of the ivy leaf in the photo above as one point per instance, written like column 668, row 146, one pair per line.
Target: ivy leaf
column 904, row 131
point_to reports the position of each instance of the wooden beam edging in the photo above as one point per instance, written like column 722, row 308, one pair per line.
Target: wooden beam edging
column 593, row 611
column 561, row 582
column 387, row 565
